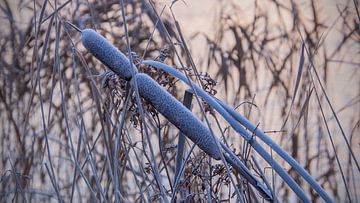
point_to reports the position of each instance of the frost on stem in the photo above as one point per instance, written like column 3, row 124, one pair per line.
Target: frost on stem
column 177, row 114
column 109, row 55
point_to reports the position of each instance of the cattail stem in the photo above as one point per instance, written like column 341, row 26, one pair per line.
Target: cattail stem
column 259, row 133
column 277, row 167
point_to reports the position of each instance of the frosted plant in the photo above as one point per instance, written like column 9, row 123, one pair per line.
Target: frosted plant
column 191, row 126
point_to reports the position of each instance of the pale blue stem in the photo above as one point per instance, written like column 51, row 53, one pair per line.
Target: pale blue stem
column 259, row 133
column 277, row 167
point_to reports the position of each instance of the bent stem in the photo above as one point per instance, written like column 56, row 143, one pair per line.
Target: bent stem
column 230, row 114
column 259, row 133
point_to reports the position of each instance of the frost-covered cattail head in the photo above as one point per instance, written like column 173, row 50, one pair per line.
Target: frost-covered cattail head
column 177, row 114
column 109, row 55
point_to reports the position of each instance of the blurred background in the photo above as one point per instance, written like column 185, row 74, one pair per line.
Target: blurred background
column 291, row 67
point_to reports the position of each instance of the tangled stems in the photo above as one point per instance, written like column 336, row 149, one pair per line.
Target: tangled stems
column 231, row 118
column 192, row 127
column 116, row 61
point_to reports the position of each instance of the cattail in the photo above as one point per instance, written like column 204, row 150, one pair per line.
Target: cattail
column 177, row 114
column 109, row 55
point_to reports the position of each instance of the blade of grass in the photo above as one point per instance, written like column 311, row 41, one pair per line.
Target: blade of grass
column 297, row 82
column 181, row 140
column 302, row 112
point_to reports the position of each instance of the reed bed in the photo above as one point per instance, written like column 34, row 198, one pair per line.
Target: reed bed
column 90, row 102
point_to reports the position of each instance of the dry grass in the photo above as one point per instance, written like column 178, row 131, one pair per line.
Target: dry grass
column 71, row 130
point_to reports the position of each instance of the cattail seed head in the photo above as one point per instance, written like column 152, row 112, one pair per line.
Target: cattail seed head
column 109, row 55
column 177, row 114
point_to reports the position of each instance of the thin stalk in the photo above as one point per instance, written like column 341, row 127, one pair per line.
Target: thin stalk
column 141, row 111
column 333, row 145
column 117, row 141
column 181, row 172
column 312, row 66
column 39, row 65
